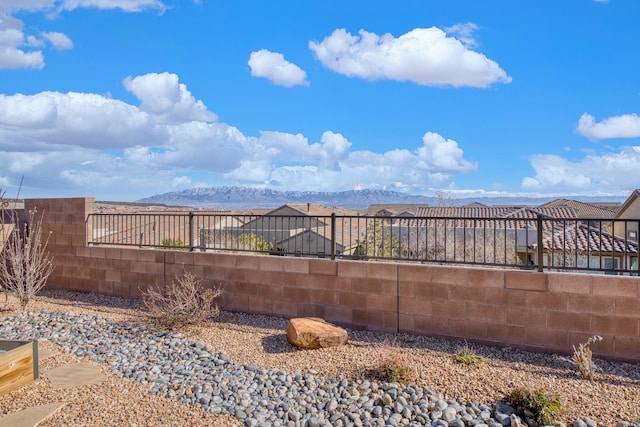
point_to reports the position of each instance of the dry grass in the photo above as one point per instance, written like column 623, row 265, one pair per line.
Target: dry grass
column 583, row 357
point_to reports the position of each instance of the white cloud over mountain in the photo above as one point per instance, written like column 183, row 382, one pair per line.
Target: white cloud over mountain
column 609, row 171
column 272, row 66
column 84, row 142
column 426, row 56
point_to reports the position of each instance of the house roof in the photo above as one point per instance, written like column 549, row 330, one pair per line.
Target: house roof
column 583, row 210
column 495, row 212
column 313, row 209
column 464, row 211
column 627, row 203
column 475, row 205
column 394, row 208
column 588, row 239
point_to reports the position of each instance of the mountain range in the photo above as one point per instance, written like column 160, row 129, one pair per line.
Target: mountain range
column 233, row 197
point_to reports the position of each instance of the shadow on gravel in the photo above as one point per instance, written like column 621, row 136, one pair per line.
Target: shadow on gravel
column 80, row 299
column 277, row 344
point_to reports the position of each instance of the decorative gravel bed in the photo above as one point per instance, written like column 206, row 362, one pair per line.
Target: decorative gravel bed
column 242, row 366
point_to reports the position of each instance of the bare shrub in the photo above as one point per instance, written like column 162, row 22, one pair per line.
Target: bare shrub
column 25, row 264
column 391, row 363
column 582, row 356
column 183, row 303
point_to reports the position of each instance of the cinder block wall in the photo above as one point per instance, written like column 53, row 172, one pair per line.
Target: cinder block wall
column 537, row 311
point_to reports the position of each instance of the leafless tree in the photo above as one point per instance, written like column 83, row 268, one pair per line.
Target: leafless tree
column 25, row 264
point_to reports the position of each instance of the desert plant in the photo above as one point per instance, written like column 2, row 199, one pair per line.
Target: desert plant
column 25, row 264
column 582, row 356
column 251, row 241
column 543, row 406
column 173, row 244
column 391, row 364
column 183, row 303
column 466, row 356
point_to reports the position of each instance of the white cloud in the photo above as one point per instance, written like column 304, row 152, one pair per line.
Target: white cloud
column 333, row 150
column 15, row 45
column 33, row 41
column 166, row 99
column 624, row 126
column 58, row 40
column 11, row 54
column 124, row 5
column 60, row 5
column 73, row 119
column 210, row 147
column 442, row 155
column 273, row 66
column 464, row 33
column 88, row 144
column 609, row 171
column 286, row 147
column 331, row 166
column 425, row 56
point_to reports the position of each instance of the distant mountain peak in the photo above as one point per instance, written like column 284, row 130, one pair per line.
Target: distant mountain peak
column 236, row 197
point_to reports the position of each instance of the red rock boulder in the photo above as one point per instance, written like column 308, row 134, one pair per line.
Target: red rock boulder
column 313, row 332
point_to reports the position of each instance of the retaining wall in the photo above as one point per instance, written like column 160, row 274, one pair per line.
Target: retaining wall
column 525, row 309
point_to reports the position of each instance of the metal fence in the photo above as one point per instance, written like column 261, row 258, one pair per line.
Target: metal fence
column 543, row 243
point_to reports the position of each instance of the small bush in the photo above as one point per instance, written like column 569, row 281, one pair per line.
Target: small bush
column 173, row 244
column 391, row 364
column 545, row 407
column 466, row 356
column 252, row 242
column 582, row 356
column 183, row 303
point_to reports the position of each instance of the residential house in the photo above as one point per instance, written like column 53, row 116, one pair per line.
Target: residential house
column 574, row 236
column 300, row 229
column 627, row 219
column 391, row 209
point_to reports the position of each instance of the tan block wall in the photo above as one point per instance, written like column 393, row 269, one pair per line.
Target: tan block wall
column 537, row 311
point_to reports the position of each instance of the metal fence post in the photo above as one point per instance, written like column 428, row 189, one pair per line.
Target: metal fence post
column 333, row 235
column 190, row 231
column 540, row 248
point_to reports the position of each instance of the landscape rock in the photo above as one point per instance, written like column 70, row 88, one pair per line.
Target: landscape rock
column 313, row 332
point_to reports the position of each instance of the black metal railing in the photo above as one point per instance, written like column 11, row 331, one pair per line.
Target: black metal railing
column 538, row 242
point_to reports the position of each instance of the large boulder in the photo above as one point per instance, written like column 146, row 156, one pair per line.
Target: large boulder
column 312, row 332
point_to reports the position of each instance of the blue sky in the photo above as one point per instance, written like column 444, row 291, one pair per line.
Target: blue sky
column 122, row 99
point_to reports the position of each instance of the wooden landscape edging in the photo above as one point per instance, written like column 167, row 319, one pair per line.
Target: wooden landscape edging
column 19, row 365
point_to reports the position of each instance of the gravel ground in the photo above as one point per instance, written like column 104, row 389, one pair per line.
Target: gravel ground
column 614, row 394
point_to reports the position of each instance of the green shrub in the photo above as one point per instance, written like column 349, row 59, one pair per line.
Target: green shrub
column 466, row 356
column 253, row 242
column 545, row 407
column 173, row 244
